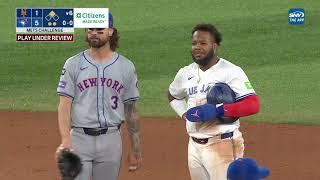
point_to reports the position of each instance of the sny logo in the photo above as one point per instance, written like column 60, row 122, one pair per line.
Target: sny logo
column 296, row 16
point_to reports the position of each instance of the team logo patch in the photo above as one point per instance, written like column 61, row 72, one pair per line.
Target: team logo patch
column 63, row 71
column 248, row 85
column 296, row 16
column 62, row 84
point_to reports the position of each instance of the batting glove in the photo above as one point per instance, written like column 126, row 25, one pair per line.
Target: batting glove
column 205, row 112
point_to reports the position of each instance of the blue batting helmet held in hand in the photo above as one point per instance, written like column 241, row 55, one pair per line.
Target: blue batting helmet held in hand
column 222, row 93
column 246, row 169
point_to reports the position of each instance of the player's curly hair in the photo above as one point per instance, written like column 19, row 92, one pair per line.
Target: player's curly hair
column 114, row 40
column 216, row 35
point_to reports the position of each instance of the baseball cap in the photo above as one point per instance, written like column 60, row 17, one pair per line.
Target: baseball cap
column 110, row 20
column 246, row 169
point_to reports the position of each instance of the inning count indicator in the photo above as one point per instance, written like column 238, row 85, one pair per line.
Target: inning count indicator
column 44, row 24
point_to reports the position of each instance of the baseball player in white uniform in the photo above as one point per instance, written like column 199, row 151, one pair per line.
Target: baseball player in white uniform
column 213, row 145
column 98, row 92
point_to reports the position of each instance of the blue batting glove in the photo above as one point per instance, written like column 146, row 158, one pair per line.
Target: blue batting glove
column 204, row 113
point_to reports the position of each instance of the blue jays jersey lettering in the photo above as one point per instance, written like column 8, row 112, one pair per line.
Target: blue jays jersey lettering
column 198, row 89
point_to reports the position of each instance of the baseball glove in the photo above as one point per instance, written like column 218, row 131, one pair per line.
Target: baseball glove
column 69, row 164
column 222, row 93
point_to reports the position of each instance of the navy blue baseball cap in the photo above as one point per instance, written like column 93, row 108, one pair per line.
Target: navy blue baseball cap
column 110, row 20
column 246, row 169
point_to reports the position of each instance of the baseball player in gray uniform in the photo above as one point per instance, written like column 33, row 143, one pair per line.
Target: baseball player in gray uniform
column 98, row 92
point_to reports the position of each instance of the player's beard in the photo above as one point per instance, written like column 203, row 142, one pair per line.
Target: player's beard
column 97, row 42
column 204, row 61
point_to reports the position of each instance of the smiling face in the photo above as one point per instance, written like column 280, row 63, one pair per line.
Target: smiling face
column 203, row 47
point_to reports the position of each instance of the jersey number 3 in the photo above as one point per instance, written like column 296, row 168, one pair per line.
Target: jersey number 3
column 114, row 99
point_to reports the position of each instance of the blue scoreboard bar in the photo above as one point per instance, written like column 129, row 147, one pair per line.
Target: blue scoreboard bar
column 44, row 17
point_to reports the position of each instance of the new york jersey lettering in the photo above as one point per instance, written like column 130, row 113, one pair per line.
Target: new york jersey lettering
column 104, row 82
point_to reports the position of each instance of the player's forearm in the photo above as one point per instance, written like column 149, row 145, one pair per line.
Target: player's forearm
column 135, row 142
column 64, row 122
column 133, row 125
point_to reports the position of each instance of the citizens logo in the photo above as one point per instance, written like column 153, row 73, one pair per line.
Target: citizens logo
column 296, row 16
column 91, row 17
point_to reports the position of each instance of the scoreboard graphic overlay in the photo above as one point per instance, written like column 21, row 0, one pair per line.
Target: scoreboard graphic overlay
column 44, row 24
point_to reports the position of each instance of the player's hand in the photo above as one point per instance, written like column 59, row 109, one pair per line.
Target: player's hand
column 62, row 146
column 184, row 116
column 135, row 161
column 204, row 112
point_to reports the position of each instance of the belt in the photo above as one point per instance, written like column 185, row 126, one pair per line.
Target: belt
column 100, row 131
column 205, row 140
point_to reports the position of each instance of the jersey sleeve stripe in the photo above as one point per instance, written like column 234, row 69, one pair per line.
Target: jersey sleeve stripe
column 246, row 95
column 65, row 94
column 131, row 99
column 178, row 98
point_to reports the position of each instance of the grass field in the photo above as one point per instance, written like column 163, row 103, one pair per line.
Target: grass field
column 281, row 60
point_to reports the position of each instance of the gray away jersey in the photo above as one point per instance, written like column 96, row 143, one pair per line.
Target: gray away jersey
column 99, row 91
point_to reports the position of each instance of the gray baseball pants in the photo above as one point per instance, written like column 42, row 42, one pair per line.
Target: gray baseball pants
column 100, row 155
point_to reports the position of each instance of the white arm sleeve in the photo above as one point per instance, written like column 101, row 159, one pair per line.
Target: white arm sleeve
column 176, row 88
column 179, row 106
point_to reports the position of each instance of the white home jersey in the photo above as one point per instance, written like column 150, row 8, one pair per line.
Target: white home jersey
column 192, row 84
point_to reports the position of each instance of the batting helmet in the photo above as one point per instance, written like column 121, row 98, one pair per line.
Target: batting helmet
column 246, row 169
column 222, row 93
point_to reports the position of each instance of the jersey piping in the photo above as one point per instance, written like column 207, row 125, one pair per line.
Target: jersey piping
column 105, row 119
column 131, row 99
column 97, row 87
